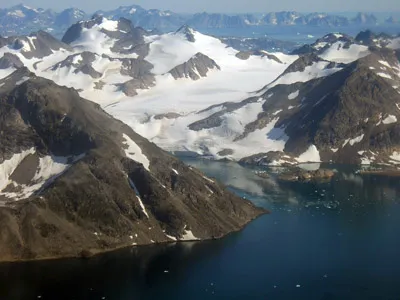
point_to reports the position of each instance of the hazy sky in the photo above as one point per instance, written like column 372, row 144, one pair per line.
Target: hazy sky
column 228, row 6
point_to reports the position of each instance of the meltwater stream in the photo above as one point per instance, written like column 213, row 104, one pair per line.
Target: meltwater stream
column 328, row 240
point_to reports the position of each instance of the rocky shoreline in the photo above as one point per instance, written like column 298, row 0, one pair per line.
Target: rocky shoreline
column 87, row 254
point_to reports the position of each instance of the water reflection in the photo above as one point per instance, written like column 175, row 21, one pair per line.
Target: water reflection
column 134, row 271
column 347, row 190
column 336, row 239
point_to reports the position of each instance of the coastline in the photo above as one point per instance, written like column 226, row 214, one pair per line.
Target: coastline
column 97, row 252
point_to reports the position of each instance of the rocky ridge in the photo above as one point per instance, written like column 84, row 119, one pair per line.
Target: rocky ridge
column 75, row 182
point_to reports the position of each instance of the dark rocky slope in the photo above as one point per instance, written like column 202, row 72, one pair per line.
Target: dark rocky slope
column 104, row 199
column 351, row 116
column 197, row 66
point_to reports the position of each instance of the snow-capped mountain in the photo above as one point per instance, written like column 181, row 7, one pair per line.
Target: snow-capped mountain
column 186, row 91
column 152, row 18
column 55, row 148
column 21, row 19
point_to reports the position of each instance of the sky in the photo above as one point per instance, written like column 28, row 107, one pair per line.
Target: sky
column 227, row 6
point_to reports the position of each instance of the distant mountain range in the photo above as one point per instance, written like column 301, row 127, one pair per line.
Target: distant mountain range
column 22, row 19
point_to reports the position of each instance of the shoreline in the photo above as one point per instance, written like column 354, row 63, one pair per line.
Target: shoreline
column 79, row 256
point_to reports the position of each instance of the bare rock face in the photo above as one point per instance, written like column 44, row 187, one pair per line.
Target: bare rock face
column 79, row 182
column 127, row 39
column 81, row 62
column 351, row 116
column 188, row 32
column 195, row 68
column 37, row 45
column 244, row 55
column 10, row 60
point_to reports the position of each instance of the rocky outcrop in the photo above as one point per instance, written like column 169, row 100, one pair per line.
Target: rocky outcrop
column 244, row 55
column 187, row 32
column 81, row 62
column 215, row 119
column 195, row 68
column 350, row 116
column 79, row 182
column 130, row 87
column 324, row 43
column 304, row 176
column 10, row 60
column 36, row 45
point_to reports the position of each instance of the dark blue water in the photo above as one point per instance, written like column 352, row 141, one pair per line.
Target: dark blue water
column 298, row 34
column 328, row 240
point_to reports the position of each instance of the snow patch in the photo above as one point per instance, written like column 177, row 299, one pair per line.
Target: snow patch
column 109, row 25
column 135, row 152
column 277, row 112
column 7, row 167
column 395, row 156
column 311, row 155
column 384, row 75
column 133, row 186
column 337, row 53
column 345, row 142
column 385, row 63
column 23, row 79
column 188, row 236
column 356, row 140
column 293, row 95
column 49, row 169
column 208, row 179
column 389, row 120
column 171, row 237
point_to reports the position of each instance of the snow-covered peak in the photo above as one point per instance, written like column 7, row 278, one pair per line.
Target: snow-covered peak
column 97, row 34
column 342, row 52
column 187, row 32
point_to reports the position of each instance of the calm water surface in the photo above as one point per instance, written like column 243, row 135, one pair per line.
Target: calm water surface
column 327, row 240
column 298, row 34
